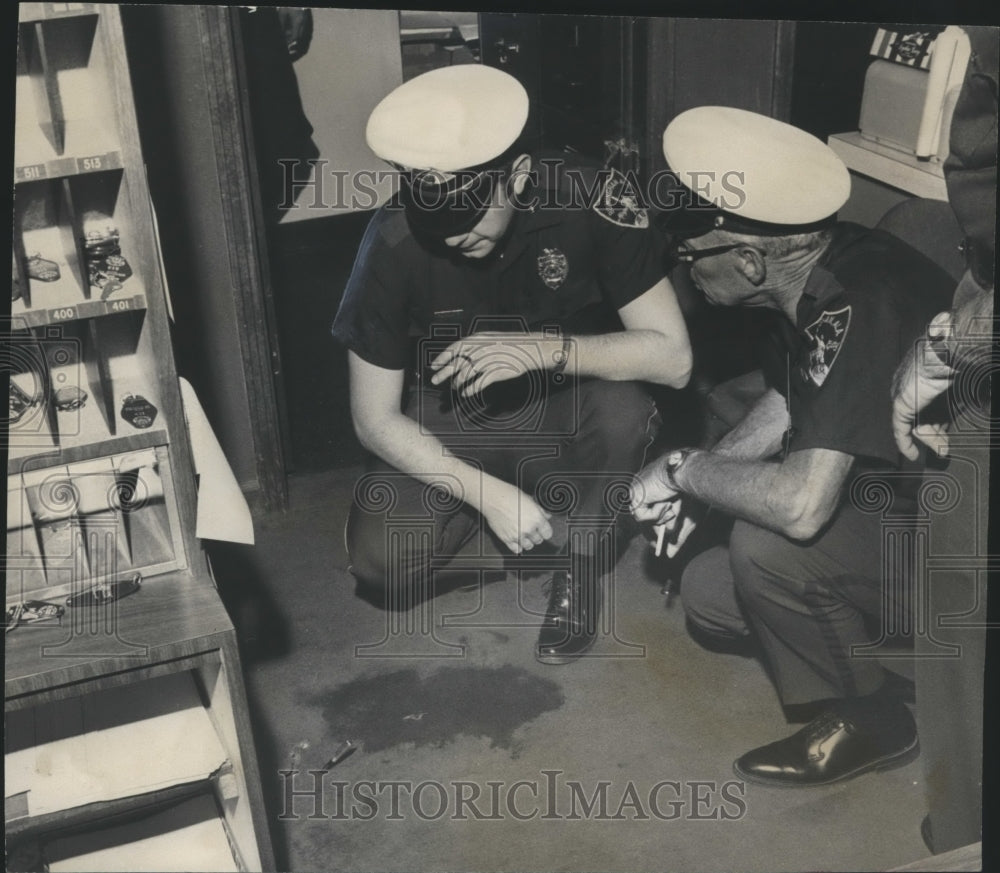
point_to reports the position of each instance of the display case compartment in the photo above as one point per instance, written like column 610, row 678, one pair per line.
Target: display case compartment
column 64, row 103
column 107, row 780
column 47, row 11
column 112, row 744
column 53, row 505
column 24, row 564
column 71, row 527
column 45, row 249
column 102, row 524
column 145, row 512
column 57, row 270
column 104, row 233
column 120, row 352
column 31, row 424
column 192, row 834
column 80, row 384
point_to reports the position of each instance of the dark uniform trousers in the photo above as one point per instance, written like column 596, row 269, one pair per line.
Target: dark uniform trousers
column 950, row 683
column 808, row 603
column 572, row 447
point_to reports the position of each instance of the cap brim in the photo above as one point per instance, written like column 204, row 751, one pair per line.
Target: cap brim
column 443, row 211
column 687, row 215
column 684, row 214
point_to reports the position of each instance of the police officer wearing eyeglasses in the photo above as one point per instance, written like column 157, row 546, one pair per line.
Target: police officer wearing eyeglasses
column 499, row 331
column 810, row 471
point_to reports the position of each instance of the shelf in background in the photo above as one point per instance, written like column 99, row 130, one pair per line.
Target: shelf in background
column 890, row 166
column 68, row 166
column 190, row 834
column 22, row 317
column 47, row 11
column 31, row 459
column 172, row 619
column 113, row 744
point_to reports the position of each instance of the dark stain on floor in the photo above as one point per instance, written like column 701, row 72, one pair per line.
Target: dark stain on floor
column 391, row 709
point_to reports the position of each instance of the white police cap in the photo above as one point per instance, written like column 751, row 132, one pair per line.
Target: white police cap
column 760, row 174
column 449, row 119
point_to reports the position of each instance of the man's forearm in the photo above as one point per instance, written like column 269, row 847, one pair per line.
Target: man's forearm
column 760, row 432
column 400, row 442
column 639, row 355
column 737, row 487
column 794, row 498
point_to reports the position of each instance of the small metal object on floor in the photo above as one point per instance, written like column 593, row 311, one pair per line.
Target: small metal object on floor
column 344, row 750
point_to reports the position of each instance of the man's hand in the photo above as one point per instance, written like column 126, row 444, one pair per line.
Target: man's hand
column 519, row 522
column 921, row 377
column 678, row 534
column 492, row 356
column 652, row 498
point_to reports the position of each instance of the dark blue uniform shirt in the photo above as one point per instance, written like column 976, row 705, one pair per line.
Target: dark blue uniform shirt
column 869, row 297
column 582, row 252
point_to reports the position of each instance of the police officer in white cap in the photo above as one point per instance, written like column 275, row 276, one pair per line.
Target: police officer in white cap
column 499, row 332
column 804, row 473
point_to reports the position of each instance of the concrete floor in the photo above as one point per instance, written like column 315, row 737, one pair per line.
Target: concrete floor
column 468, row 703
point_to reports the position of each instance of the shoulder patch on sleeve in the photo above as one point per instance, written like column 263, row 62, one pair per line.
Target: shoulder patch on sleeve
column 619, row 202
column 826, row 337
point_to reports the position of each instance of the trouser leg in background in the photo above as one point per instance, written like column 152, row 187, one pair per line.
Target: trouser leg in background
column 950, row 684
column 806, row 602
column 573, row 449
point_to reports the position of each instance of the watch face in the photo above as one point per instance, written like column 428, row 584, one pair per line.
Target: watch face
column 69, row 398
column 138, row 411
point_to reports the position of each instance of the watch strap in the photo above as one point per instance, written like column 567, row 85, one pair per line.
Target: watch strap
column 562, row 356
column 676, row 460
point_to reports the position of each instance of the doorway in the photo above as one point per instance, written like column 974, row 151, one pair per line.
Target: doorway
column 578, row 70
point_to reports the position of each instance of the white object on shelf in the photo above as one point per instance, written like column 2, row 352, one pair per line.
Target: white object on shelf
column 890, row 166
column 189, row 837
column 112, row 744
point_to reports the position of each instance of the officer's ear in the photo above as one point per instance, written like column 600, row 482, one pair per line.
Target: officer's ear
column 752, row 263
column 520, row 174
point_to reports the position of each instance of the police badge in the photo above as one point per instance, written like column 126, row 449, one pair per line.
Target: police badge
column 553, row 268
column 826, row 337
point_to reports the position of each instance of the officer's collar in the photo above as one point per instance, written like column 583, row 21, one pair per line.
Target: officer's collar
column 532, row 213
column 822, row 285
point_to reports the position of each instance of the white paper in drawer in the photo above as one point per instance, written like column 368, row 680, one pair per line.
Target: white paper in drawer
column 115, row 743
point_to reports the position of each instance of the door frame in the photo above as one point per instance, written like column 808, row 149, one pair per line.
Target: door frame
column 243, row 219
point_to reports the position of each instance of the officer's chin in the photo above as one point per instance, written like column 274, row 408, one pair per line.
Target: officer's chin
column 478, row 251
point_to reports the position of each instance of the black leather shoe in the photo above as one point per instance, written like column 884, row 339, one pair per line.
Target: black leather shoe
column 570, row 625
column 852, row 737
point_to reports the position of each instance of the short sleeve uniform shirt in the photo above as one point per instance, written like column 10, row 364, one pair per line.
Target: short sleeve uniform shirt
column 577, row 250
column 865, row 302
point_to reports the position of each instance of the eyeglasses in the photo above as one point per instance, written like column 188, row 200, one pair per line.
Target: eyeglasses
column 689, row 256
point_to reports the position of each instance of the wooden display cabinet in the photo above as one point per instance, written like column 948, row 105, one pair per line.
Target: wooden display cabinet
column 126, row 716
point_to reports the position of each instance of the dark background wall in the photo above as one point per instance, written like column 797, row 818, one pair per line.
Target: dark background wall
column 592, row 79
column 165, row 56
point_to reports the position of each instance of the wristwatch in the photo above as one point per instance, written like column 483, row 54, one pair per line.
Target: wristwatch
column 675, row 460
column 561, row 357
